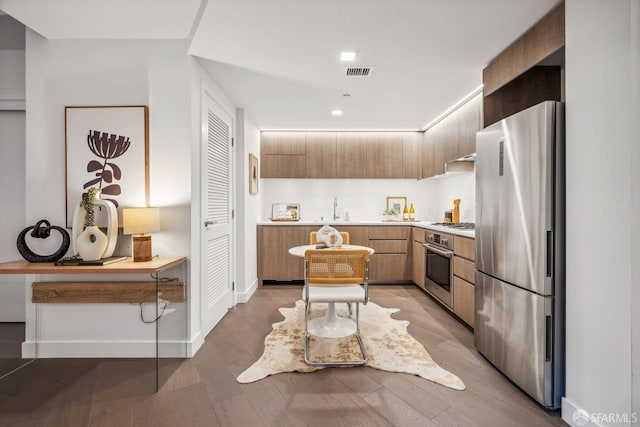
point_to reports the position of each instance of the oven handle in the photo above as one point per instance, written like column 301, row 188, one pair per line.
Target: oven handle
column 448, row 254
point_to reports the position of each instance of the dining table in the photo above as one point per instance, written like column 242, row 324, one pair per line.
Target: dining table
column 330, row 325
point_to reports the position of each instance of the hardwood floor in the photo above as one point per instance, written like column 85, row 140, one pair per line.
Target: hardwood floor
column 202, row 391
column 11, row 338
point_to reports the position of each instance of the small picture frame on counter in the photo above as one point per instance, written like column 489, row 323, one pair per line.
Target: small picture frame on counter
column 397, row 203
column 285, row 212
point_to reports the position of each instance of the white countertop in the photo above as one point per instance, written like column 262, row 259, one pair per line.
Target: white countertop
column 336, row 224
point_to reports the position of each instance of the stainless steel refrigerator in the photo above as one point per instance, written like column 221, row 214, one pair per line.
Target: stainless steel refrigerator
column 520, row 262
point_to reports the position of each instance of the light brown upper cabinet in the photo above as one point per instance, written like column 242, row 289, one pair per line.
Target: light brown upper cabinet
column 341, row 154
column 411, row 155
column 430, row 164
column 283, row 155
column 451, row 138
column 351, row 155
column 384, row 154
column 528, row 71
column 321, row 155
column 447, row 141
column 469, row 122
column 283, row 143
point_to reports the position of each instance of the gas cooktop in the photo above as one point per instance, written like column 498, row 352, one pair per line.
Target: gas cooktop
column 459, row 225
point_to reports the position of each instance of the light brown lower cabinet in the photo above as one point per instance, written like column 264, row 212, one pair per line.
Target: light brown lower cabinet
column 358, row 234
column 464, row 269
column 274, row 241
column 418, row 269
column 274, row 260
column 389, row 263
column 464, row 300
column 464, row 278
column 388, row 267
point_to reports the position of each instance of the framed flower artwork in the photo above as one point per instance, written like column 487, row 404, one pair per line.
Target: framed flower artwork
column 107, row 147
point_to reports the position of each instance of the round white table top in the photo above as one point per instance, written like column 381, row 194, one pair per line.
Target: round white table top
column 300, row 250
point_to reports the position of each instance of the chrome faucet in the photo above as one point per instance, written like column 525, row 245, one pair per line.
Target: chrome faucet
column 335, row 209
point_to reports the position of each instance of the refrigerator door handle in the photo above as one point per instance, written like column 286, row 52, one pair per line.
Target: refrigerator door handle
column 549, row 261
column 501, row 157
column 548, row 351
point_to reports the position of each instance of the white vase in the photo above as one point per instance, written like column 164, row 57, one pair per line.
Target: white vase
column 91, row 243
column 112, row 225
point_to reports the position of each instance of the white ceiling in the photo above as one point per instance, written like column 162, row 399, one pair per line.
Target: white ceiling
column 105, row 19
column 279, row 59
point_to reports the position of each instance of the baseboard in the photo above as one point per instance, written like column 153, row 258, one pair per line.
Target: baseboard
column 194, row 345
column 576, row 416
column 108, row 349
column 28, row 350
column 244, row 297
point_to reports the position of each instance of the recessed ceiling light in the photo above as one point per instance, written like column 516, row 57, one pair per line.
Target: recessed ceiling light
column 347, row 56
column 336, row 113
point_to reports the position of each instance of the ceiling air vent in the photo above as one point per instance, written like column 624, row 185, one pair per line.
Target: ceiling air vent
column 359, row 71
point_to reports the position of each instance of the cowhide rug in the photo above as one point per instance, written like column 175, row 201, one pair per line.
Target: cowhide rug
column 389, row 346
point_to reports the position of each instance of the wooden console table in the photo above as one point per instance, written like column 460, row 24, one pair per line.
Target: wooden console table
column 101, row 292
column 115, row 291
column 126, row 266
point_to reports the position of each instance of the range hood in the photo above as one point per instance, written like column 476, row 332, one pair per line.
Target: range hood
column 463, row 164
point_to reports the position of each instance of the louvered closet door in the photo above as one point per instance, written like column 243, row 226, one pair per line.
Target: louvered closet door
column 217, row 250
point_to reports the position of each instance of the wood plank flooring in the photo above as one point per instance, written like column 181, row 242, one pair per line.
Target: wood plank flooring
column 11, row 338
column 202, row 391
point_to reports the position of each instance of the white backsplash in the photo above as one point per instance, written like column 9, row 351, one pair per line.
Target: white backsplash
column 457, row 186
column 365, row 199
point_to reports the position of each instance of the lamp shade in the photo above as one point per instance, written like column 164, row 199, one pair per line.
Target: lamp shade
column 140, row 220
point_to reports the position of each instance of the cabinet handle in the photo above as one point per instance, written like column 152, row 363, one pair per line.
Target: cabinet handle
column 208, row 223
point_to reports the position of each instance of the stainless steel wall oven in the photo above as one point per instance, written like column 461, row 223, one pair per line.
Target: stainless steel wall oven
column 439, row 268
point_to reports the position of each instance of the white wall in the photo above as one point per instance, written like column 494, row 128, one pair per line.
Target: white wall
column 602, row 181
column 365, row 199
column 11, row 34
column 457, row 186
column 12, row 87
column 12, row 163
column 12, row 84
column 12, row 178
column 248, row 207
column 635, row 207
column 90, row 72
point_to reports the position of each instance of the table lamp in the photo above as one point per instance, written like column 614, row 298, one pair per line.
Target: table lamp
column 141, row 220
